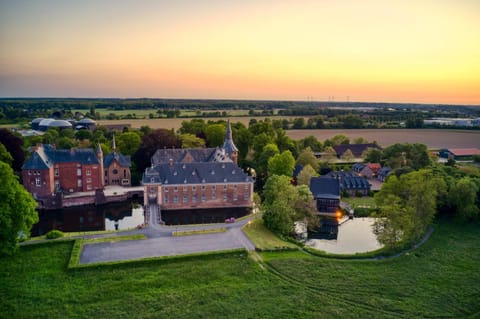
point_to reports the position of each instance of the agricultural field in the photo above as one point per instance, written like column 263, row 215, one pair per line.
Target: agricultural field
column 440, row 279
column 433, row 138
column 176, row 123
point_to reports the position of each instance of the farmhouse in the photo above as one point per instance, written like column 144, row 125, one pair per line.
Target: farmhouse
column 195, row 178
column 350, row 183
column 357, row 149
column 459, row 154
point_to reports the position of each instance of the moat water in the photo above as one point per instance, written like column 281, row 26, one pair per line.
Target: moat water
column 113, row 216
column 121, row 216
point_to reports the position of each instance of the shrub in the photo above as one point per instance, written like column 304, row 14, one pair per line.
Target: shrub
column 53, row 234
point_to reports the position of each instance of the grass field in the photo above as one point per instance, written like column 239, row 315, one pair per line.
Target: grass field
column 360, row 201
column 440, row 280
column 264, row 239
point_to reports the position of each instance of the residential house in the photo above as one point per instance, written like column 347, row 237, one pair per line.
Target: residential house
column 383, row 173
column 350, row 183
column 357, row 149
column 326, row 192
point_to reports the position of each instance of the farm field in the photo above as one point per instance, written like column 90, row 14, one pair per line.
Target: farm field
column 440, row 279
column 433, row 138
column 176, row 123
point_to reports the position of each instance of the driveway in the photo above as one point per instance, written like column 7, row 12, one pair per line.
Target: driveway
column 160, row 242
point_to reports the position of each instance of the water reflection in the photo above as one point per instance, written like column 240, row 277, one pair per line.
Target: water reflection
column 115, row 216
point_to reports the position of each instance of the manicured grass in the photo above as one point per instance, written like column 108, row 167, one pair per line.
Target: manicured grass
column 438, row 280
column 360, row 201
column 113, row 239
column 263, row 239
column 199, row 232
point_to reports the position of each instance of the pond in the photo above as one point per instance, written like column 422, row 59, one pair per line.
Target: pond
column 114, row 216
column 353, row 236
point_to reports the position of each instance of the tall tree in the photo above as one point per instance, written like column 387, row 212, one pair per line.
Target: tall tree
column 191, row 141
column 306, row 157
column 5, row 156
column 13, row 144
column 128, row 142
column 281, row 164
column 215, row 134
column 155, row 140
column 306, row 175
column 17, row 211
column 463, row 197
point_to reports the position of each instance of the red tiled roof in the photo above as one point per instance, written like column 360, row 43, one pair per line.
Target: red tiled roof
column 375, row 167
column 464, row 151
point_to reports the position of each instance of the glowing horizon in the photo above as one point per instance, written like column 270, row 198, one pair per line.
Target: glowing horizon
column 369, row 51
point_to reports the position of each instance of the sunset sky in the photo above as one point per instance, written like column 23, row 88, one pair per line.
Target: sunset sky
column 425, row 51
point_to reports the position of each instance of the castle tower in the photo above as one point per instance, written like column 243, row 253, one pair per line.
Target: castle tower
column 114, row 146
column 100, row 160
column 228, row 145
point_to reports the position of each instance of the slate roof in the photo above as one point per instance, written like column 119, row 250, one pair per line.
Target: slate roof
column 357, row 167
column 357, row 149
column 228, row 145
column 384, row 171
column 348, row 180
column 322, row 187
column 123, row 160
column 196, row 173
column 179, row 155
column 46, row 155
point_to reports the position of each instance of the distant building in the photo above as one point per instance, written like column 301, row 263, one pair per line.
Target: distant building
column 444, row 121
column 350, row 183
column 383, row 173
column 357, row 149
column 198, row 178
column 459, row 154
column 368, row 170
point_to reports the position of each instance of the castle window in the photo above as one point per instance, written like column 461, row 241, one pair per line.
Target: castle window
column 56, row 171
column 194, row 199
column 214, row 196
column 166, row 189
column 124, row 173
column 224, row 187
column 89, row 172
column 235, row 197
column 115, row 171
column 175, row 199
column 38, row 182
column 89, row 180
column 79, row 172
column 203, row 198
column 214, row 187
column 224, row 198
column 246, row 186
column 194, row 188
column 235, row 186
column 106, row 173
column 79, row 183
column 175, row 189
column 166, row 199
column 184, row 198
column 152, row 190
column 203, row 187
column 89, row 187
column 245, row 196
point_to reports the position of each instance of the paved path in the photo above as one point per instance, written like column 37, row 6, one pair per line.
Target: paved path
column 160, row 242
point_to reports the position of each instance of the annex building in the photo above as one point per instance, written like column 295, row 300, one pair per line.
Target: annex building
column 51, row 173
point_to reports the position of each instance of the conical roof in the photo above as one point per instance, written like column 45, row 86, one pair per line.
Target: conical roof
column 228, row 145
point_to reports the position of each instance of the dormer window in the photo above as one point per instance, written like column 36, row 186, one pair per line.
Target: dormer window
column 193, row 173
column 175, row 173
column 233, row 172
column 213, row 172
column 152, row 180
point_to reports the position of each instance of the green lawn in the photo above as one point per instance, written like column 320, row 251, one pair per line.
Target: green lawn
column 264, row 239
column 441, row 279
column 360, row 201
